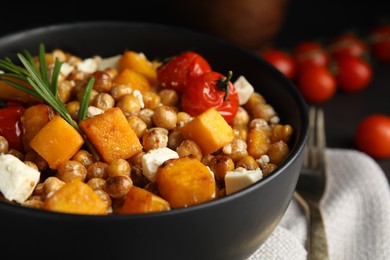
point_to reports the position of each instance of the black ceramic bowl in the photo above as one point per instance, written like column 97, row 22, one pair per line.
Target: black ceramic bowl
column 232, row 227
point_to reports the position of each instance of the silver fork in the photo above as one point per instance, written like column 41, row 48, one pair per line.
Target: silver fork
column 311, row 185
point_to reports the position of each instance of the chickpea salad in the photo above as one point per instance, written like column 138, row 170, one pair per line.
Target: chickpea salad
column 128, row 134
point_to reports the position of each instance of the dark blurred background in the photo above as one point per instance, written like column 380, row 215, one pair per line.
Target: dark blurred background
column 303, row 20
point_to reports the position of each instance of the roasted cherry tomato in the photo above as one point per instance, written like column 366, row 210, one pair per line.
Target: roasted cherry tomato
column 10, row 126
column 347, row 45
column 180, row 69
column 353, row 74
column 211, row 89
column 281, row 60
column 380, row 42
column 317, row 84
column 372, row 136
column 308, row 54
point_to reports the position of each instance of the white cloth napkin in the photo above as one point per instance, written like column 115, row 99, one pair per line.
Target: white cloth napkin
column 356, row 209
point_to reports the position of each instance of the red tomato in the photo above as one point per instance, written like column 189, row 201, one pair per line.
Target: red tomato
column 316, row 83
column 372, row 136
column 211, row 89
column 177, row 72
column 280, row 60
column 10, row 126
column 380, row 42
column 353, row 74
column 308, row 54
column 347, row 45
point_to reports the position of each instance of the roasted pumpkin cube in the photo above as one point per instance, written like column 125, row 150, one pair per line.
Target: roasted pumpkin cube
column 8, row 92
column 76, row 197
column 57, row 142
column 209, row 130
column 133, row 79
column 139, row 63
column 111, row 135
column 139, row 200
column 185, row 181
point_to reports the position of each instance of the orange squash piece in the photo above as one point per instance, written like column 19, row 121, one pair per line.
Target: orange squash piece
column 139, row 200
column 57, row 142
column 8, row 92
column 139, row 63
column 76, row 197
column 133, row 79
column 209, row 130
column 111, row 135
column 185, row 181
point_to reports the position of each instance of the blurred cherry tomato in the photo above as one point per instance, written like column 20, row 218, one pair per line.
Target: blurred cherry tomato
column 380, row 42
column 347, row 45
column 281, row 60
column 372, row 136
column 308, row 54
column 211, row 89
column 316, row 83
column 177, row 71
column 10, row 126
column 353, row 74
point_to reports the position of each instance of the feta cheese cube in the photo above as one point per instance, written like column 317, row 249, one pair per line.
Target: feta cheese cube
column 153, row 159
column 244, row 89
column 89, row 65
column 17, row 180
column 110, row 62
column 241, row 178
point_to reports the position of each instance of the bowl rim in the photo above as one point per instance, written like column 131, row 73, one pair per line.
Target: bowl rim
column 299, row 146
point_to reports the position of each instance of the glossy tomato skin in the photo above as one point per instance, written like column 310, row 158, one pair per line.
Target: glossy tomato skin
column 380, row 42
column 281, row 60
column 309, row 54
column 372, row 136
column 316, row 84
column 10, row 126
column 202, row 93
column 353, row 74
column 180, row 69
column 347, row 45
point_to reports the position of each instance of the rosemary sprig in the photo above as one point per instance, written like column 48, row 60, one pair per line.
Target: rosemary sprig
column 42, row 86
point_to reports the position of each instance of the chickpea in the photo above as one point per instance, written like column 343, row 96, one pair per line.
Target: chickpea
column 118, row 186
column 137, row 177
column 188, row 147
column 255, row 98
column 220, row 165
column 33, row 203
column 59, row 54
column 138, row 125
column 278, row 152
column 64, row 91
column 259, row 123
column 76, row 75
column 129, row 104
column 174, row 139
column 117, row 91
column 34, row 157
column 119, row 167
column 106, row 198
column 236, row 150
column 241, row 118
column 248, row 162
column 165, row 117
column 4, row 145
column 146, row 116
column 17, row 154
column 73, row 108
column 84, row 157
column 97, row 170
column 71, row 170
column 96, row 183
column 206, row 159
column 38, row 191
column 103, row 81
column 240, row 132
column 151, row 100
column 136, row 160
column 264, row 111
column 104, row 101
column 112, row 72
column 281, row 132
column 258, row 142
column 50, row 186
column 155, row 138
column 31, row 165
column 183, row 118
column 169, row 97
column 93, row 95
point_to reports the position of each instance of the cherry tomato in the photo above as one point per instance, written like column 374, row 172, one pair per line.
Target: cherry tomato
column 177, row 72
column 380, row 42
column 317, row 84
column 10, row 126
column 372, row 136
column 353, row 74
column 308, row 54
column 347, row 45
column 281, row 60
column 211, row 89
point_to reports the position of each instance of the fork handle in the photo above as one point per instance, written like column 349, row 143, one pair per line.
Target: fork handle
column 317, row 241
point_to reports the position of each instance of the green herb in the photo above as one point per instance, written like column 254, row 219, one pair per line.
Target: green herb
column 42, row 86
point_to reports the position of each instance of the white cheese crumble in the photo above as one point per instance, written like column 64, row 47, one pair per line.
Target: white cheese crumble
column 66, row 69
column 89, row 65
column 110, row 62
column 244, row 89
column 138, row 95
column 93, row 111
column 153, row 159
column 241, row 178
column 17, row 180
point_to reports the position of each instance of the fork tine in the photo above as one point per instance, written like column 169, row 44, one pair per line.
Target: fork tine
column 308, row 156
column 320, row 138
